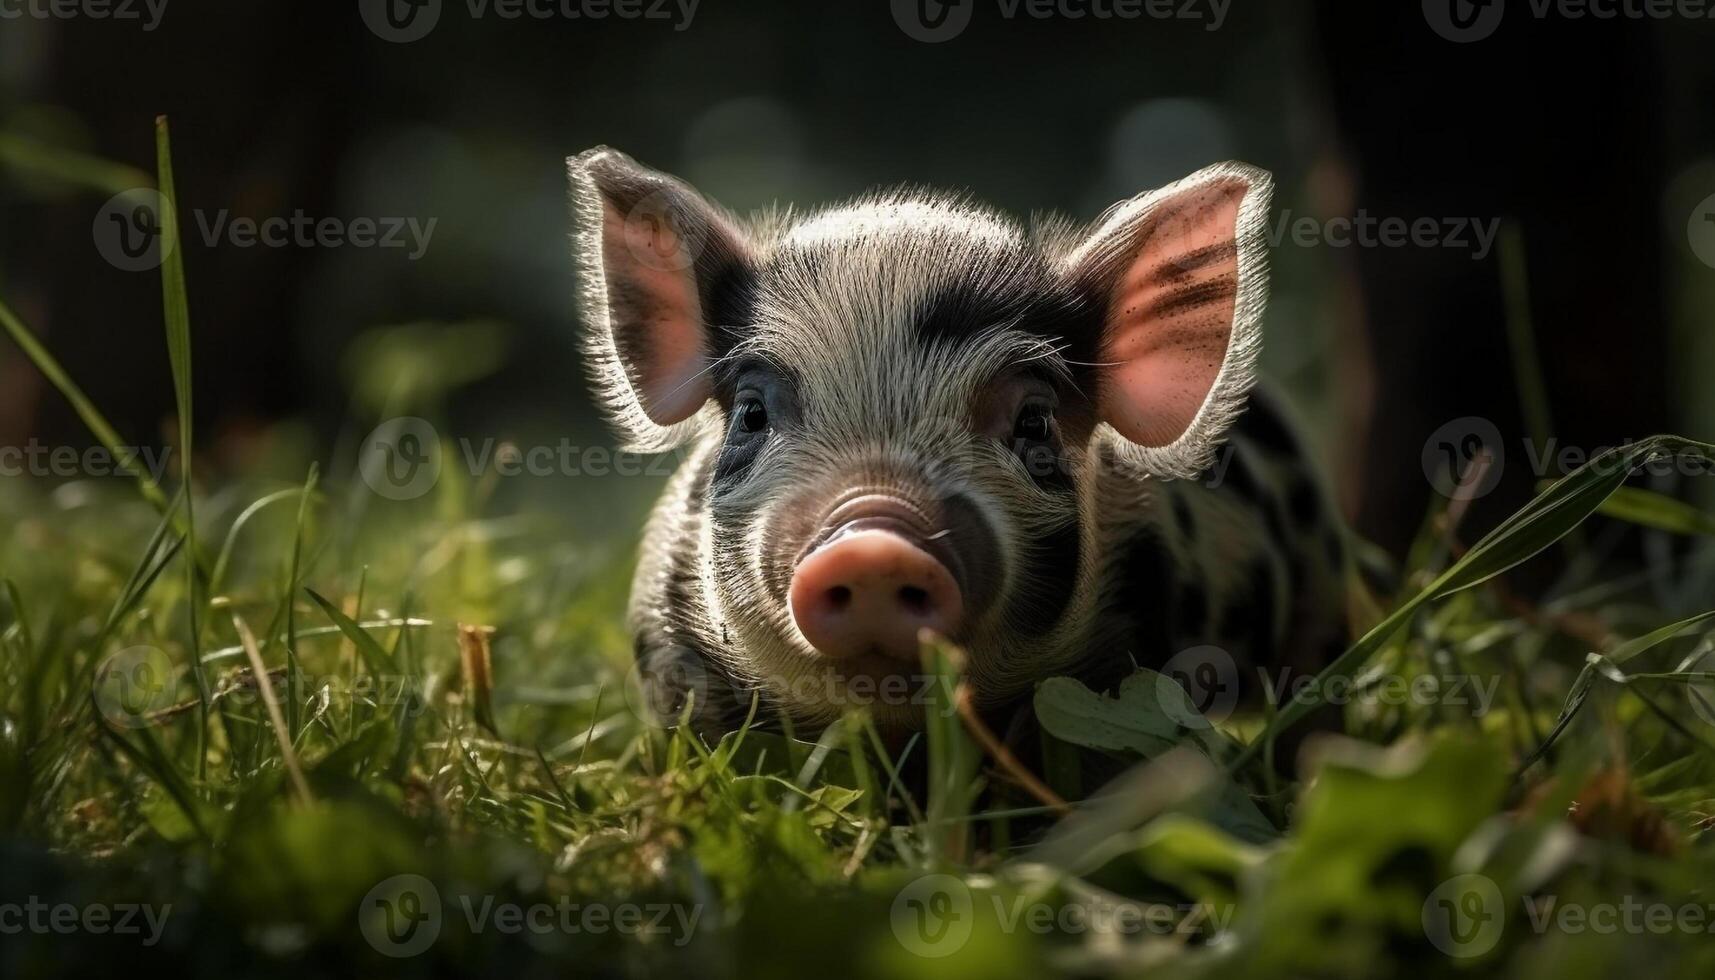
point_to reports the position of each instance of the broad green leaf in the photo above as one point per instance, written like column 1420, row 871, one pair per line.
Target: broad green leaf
column 1141, row 721
column 1133, row 722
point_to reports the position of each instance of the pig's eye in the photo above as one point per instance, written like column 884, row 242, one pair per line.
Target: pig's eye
column 752, row 414
column 1035, row 423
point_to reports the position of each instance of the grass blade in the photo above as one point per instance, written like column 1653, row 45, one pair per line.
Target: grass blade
column 288, row 755
column 367, row 647
column 91, row 416
column 294, row 669
column 1537, row 526
column 176, row 310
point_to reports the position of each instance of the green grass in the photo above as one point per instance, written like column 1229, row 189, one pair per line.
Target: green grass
column 143, row 761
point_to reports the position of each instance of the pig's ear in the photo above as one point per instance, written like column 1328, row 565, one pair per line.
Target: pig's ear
column 653, row 258
column 1181, row 275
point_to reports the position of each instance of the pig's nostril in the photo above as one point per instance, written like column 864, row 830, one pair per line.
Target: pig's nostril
column 915, row 599
column 839, row 597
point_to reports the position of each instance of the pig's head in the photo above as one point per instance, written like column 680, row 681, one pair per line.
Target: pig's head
column 912, row 396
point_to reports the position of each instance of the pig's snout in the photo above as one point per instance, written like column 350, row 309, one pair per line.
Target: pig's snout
column 874, row 581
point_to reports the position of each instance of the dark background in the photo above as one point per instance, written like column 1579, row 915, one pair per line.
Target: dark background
column 1596, row 138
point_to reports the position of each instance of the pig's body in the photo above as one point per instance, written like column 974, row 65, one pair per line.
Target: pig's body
column 911, row 413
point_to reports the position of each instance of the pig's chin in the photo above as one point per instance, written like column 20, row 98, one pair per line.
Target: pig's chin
column 894, row 691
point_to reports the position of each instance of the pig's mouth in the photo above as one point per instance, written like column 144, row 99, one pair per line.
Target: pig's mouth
column 879, row 571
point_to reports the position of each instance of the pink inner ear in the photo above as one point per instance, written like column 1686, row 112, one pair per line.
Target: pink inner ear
column 1171, row 317
column 649, row 272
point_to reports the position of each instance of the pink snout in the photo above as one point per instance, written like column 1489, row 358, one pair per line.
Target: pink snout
column 871, row 591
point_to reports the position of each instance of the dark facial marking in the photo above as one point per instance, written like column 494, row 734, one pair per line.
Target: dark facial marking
column 1304, row 501
column 1048, row 576
column 728, row 294
column 1264, row 423
column 1191, row 617
column 1184, row 519
column 1334, row 543
column 1251, row 616
column 1239, row 478
column 1145, row 578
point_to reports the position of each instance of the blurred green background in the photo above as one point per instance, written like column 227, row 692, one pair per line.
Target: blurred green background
column 1592, row 137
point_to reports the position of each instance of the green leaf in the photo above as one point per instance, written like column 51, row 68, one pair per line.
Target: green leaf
column 1538, row 525
column 1144, row 720
column 1559, row 509
column 1375, row 833
column 176, row 310
column 1649, row 641
column 1646, row 508
column 1133, row 722
column 1196, row 858
column 70, row 166
column 374, row 657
